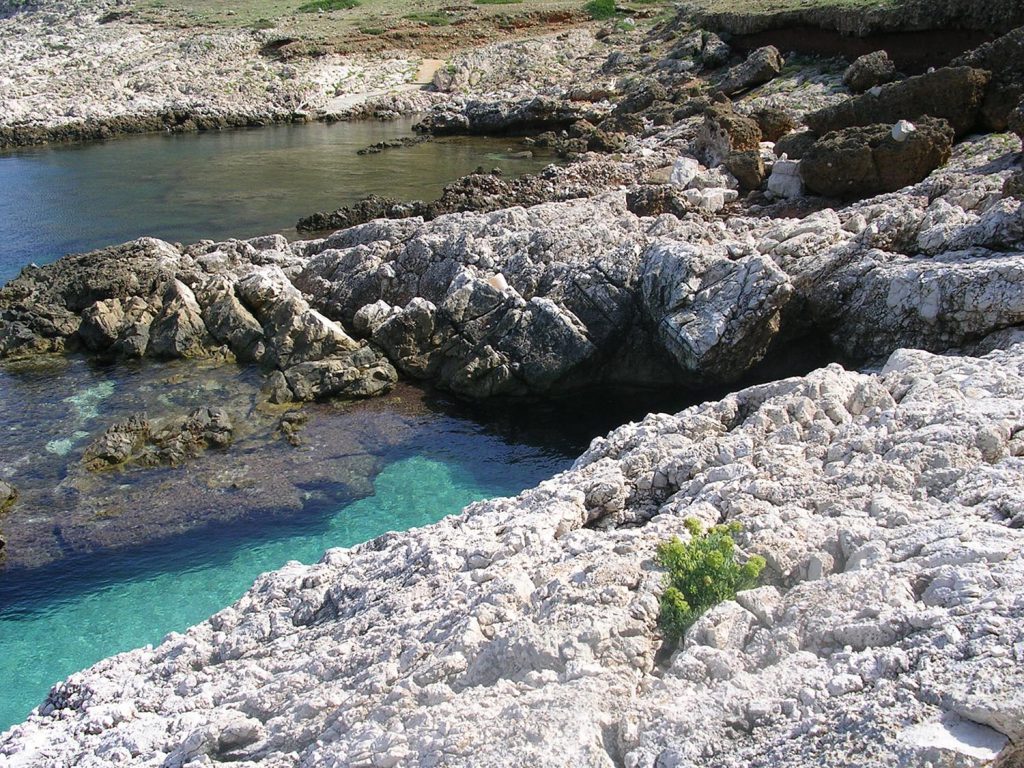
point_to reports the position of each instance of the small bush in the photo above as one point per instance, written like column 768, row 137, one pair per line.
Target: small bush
column 701, row 573
column 600, row 9
column 431, row 18
column 328, row 5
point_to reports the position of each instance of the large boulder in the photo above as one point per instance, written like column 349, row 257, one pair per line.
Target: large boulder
column 748, row 167
column 953, row 93
column 639, row 95
column 41, row 309
column 725, row 131
column 1004, row 58
column 867, row 160
column 869, row 70
column 761, row 66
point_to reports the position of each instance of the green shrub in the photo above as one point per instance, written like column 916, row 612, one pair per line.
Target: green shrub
column 701, row 573
column 328, row 5
column 600, row 9
column 431, row 18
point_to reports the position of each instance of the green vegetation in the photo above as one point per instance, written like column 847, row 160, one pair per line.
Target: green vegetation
column 600, row 9
column 328, row 5
column 497, row 2
column 701, row 573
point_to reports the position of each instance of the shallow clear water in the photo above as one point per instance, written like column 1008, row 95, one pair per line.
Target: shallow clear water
column 182, row 187
column 71, row 617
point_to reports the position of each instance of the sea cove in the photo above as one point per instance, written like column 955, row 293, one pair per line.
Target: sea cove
column 700, row 448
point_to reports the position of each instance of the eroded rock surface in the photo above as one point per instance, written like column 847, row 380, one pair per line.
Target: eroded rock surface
column 524, row 631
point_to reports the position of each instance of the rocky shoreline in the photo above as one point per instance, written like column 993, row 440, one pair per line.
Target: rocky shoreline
column 719, row 211
column 523, row 632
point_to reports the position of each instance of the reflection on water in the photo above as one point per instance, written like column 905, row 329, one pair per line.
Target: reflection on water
column 182, row 187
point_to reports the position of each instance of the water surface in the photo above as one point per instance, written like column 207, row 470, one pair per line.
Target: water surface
column 241, row 183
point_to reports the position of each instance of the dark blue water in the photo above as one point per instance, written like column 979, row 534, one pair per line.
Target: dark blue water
column 183, row 187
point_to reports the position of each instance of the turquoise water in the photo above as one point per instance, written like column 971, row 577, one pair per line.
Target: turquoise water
column 46, row 635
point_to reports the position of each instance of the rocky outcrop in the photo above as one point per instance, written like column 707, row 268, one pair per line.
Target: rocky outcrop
column 148, row 299
column 1004, row 58
column 559, row 296
column 486, row 192
column 89, row 70
column 869, row 70
column 760, row 66
column 524, row 632
column 137, row 442
column 498, row 117
column 863, row 161
column 955, row 94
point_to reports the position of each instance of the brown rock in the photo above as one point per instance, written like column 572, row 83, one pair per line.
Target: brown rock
column 774, row 123
column 748, row 168
column 1015, row 121
column 795, row 145
column 1014, row 185
column 865, row 160
column 8, row 495
column 953, row 93
column 724, row 132
column 869, row 70
column 656, row 199
column 1004, row 58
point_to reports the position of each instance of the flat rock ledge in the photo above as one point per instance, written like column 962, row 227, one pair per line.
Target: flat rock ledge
column 523, row 632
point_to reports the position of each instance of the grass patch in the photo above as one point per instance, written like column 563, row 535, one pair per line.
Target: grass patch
column 328, row 5
column 600, row 9
column 372, row 30
column 701, row 574
column 496, row 2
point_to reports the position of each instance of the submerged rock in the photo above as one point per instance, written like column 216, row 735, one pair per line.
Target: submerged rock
column 8, row 495
column 886, row 506
column 138, row 442
column 863, row 161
